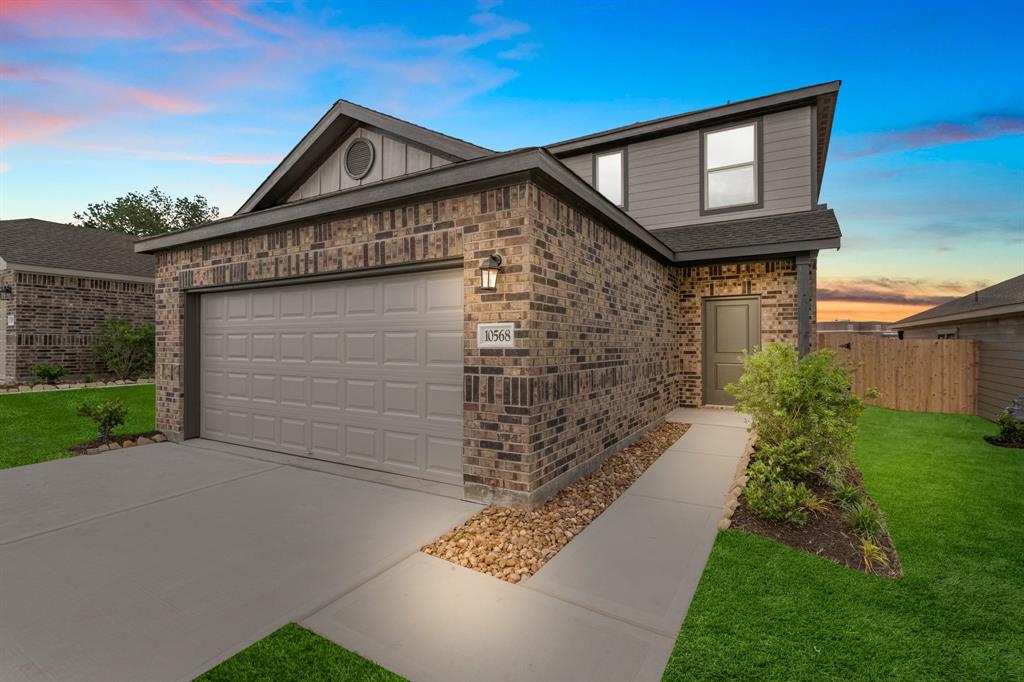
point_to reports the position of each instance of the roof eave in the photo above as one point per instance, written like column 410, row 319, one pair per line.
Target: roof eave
column 758, row 250
column 679, row 122
column 443, row 179
column 970, row 315
column 342, row 115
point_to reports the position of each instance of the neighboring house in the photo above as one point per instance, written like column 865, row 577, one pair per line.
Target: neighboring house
column 58, row 284
column 339, row 314
column 856, row 327
column 995, row 318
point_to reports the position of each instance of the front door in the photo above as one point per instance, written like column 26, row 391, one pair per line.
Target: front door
column 731, row 325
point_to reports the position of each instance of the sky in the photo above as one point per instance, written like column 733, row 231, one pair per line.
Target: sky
column 925, row 170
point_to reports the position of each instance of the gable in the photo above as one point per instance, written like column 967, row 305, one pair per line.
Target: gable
column 300, row 169
column 391, row 157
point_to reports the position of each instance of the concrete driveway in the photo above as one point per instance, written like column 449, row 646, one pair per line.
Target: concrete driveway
column 158, row 562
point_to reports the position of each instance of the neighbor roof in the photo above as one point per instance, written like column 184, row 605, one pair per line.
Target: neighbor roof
column 332, row 127
column 1004, row 297
column 44, row 244
column 803, row 231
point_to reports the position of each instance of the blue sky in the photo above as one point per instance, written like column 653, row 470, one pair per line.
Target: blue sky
column 926, row 170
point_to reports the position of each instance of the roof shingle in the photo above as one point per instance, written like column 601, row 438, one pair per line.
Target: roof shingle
column 30, row 241
column 815, row 225
column 1009, row 292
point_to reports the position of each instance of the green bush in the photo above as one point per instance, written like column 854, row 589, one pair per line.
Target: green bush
column 127, row 350
column 774, row 498
column 805, row 401
column 790, row 459
column 1011, row 431
column 47, row 373
column 107, row 415
column 865, row 519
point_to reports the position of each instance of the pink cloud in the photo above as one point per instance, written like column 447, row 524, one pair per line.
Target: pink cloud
column 163, row 102
column 113, row 18
column 167, row 155
column 20, row 125
column 984, row 126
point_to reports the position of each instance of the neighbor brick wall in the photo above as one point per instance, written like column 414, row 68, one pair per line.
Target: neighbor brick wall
column 7, row 356
column 58, row 317
column 775, row 281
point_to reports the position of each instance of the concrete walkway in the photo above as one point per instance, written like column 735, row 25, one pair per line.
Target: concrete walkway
column 608, row 607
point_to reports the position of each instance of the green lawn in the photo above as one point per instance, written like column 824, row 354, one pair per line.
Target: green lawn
column 294, row 653
column 955, row 508
column 36, row 427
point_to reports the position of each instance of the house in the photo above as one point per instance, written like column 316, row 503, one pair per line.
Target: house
column 58, row 284
column 995, row 318
column 396, row 299
column 855, row 327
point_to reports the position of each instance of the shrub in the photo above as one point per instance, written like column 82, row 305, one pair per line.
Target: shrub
column 48, row 373
column 790, row 458
column 848, row 494
column 873, row 555
column 127, row 350
column 88, row 379
column 1011, row 431
column 865, row 519
column 774, row 498
column 108, row 415
column 801, row 400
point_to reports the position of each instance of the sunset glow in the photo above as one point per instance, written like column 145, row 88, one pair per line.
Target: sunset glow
column 926, row 163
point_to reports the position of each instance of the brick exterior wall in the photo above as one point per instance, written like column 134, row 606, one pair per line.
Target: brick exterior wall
column 775, row 281
column 57, row 319
column 607, row 340
column 600, row 347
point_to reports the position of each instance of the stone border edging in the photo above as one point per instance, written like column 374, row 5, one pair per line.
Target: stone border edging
column 739, row 481
column 40, row 388
column 141, row 440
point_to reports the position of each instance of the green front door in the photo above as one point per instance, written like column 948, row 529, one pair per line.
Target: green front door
column 731, row 325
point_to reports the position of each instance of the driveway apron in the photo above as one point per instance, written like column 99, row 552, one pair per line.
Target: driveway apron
column 159, row 562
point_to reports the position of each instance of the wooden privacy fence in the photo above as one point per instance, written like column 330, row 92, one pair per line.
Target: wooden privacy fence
column 920, row 375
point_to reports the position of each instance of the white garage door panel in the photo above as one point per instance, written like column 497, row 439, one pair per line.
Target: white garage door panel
column 364, row 372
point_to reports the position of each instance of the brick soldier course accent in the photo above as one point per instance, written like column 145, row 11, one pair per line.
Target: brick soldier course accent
column 57, row 319
column 607, row 336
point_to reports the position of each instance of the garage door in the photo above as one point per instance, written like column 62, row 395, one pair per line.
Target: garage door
column 365, row 372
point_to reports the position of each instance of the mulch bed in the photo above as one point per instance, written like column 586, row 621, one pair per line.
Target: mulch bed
column 80, row 448
column 513, row 544
column 995, row 440
column 827, row 533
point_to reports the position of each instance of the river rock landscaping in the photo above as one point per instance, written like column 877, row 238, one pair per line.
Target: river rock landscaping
column 513, row 544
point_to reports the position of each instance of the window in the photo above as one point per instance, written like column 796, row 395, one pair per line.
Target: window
column 609, row 176
column 730, row 167
column 947, row 333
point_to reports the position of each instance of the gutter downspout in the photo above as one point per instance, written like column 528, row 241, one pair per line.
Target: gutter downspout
column 803, row 297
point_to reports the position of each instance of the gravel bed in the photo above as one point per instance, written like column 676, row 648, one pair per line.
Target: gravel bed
column 513, row 544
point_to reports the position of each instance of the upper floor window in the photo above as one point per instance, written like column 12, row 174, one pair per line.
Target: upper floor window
column 610, row 176
column 730, row 167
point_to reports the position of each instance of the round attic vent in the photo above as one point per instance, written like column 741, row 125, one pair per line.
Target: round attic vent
column 359, row 158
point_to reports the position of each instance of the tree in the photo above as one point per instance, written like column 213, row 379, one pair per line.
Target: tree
column 144, row 215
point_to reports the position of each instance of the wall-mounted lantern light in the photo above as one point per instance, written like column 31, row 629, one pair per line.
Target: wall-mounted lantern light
column 6, row 292
column 489, row 273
